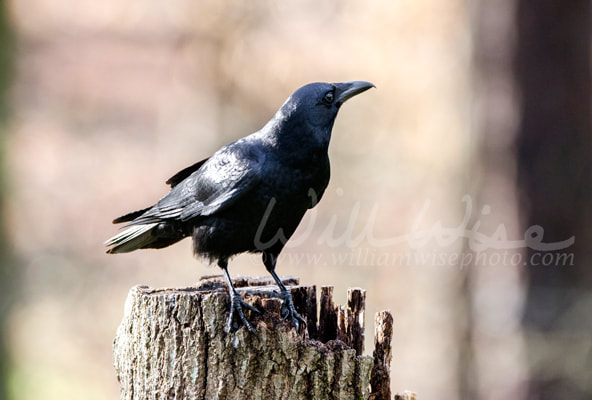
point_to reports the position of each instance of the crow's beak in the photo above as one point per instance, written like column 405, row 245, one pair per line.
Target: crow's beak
column 346, row 90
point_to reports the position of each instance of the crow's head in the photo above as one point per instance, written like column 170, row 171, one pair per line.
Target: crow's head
column 315, row 106
column 319, row 102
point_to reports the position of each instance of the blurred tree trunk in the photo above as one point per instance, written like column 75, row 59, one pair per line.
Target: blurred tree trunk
column 491, row 317
column 6, row 267
column 554, row 178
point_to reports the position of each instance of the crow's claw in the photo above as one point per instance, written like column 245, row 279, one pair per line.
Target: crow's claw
column 236, row 310
column 288, row 311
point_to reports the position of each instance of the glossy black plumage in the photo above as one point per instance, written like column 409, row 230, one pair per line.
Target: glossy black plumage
column 250, row 195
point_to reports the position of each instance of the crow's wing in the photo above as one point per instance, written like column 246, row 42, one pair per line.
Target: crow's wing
column 130, row 216
column 172, row 181
column 184, row 173
column 217, row 183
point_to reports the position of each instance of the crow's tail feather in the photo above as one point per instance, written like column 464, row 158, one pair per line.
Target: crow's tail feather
column 133, row 238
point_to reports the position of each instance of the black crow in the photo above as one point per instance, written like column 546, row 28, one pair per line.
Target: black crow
column 250, row 195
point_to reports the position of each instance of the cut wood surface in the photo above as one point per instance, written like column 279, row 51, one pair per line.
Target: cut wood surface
column 171, row 344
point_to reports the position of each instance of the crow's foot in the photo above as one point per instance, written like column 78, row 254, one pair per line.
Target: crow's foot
column 289, row 312
column 236, row 310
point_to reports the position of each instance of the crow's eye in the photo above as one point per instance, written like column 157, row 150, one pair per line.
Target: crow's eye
column 328, row 98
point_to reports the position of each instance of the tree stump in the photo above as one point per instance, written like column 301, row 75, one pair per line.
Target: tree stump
column 171, row 344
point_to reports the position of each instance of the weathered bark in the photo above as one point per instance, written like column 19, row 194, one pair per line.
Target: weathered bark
column 350, row 320
column 171, row 344
column 327, row 315
column 381, row 372
column 406, row 395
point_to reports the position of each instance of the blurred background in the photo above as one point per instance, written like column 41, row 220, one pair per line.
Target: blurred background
column 460, row 193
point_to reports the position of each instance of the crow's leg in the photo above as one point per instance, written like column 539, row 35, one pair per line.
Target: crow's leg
column 236, row 303
column 288, row 311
